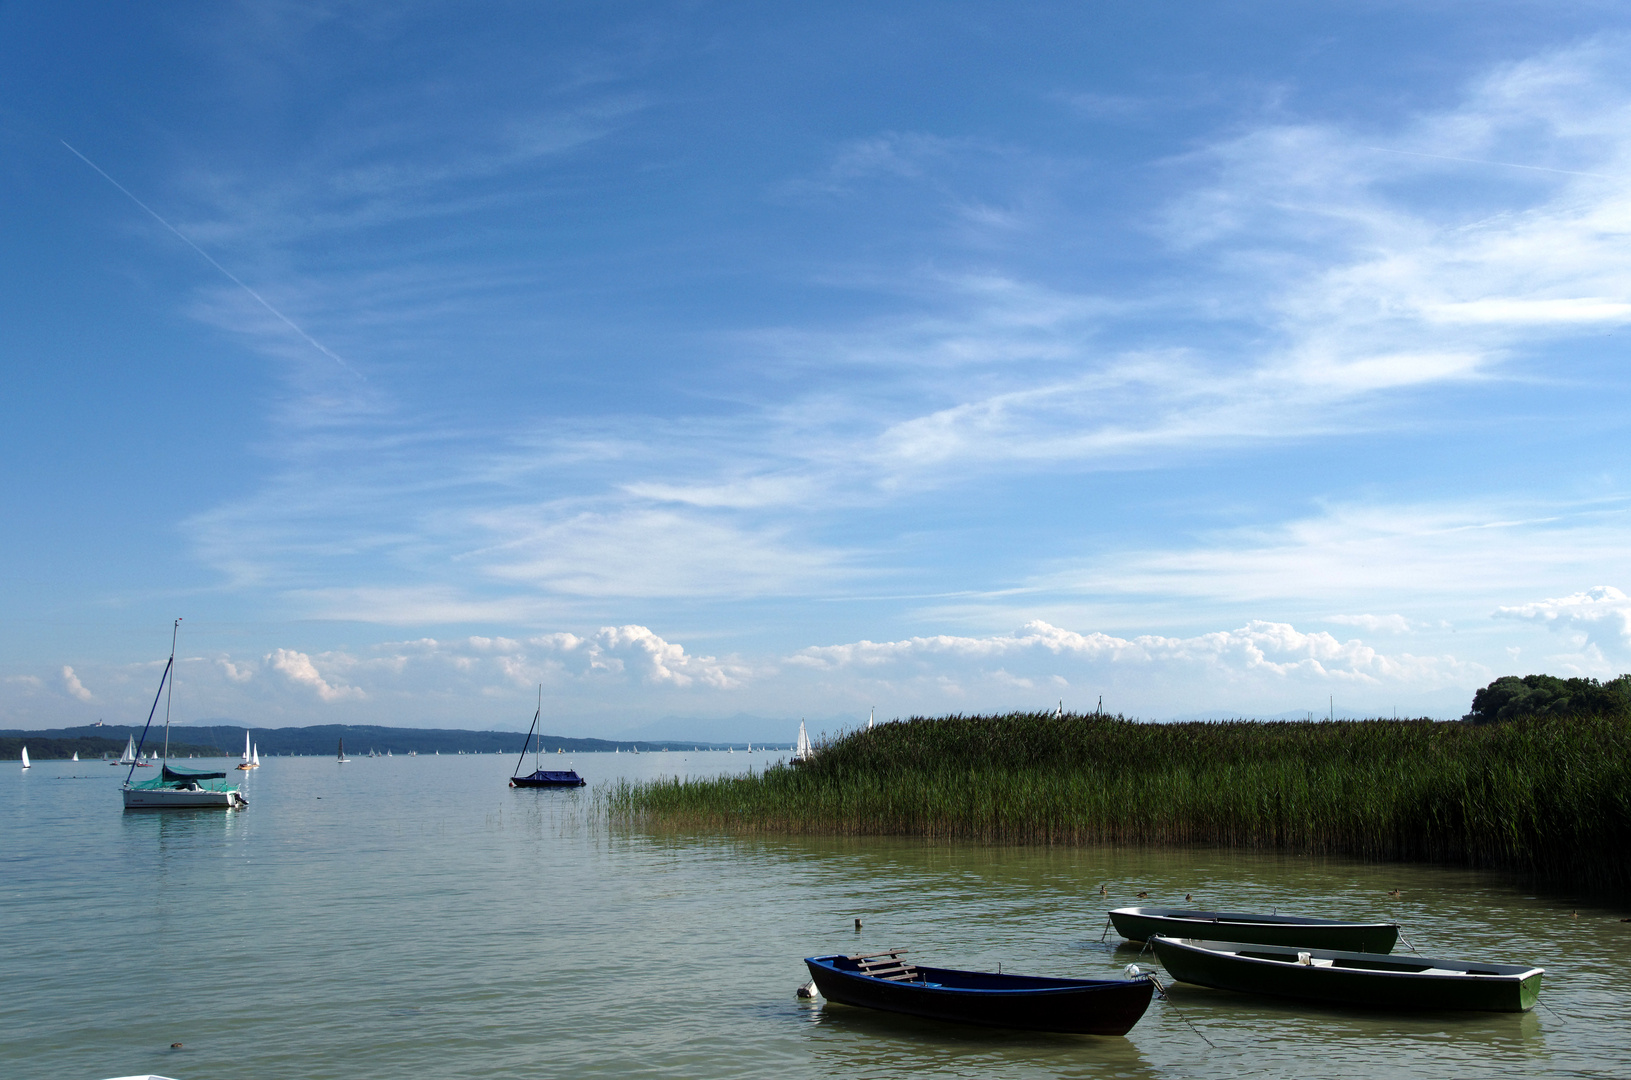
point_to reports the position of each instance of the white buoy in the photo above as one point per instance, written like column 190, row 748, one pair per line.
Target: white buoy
column 808, row 990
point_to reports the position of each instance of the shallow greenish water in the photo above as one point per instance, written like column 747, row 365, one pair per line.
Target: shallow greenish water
column 406, row 917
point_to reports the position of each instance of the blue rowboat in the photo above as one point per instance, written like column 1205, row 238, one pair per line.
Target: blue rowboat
column 1036, row 1003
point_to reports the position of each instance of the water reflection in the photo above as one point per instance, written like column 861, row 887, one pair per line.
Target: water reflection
column 418, row 916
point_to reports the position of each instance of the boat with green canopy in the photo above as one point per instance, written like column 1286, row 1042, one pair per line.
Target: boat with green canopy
column 177, row 789
column 1143, row 923
column 1368, row 980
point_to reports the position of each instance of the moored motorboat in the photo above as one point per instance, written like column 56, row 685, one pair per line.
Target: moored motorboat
column 1370, row 980
column 1144, row 923
column 887, row 981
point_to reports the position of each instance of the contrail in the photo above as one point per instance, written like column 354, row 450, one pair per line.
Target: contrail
column 259, row 299
column 1476, row 161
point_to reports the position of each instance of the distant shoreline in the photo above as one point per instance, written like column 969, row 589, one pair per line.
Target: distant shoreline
column 318, row 740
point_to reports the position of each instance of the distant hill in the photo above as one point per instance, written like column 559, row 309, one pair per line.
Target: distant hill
column 228, row 740
column 46, row 745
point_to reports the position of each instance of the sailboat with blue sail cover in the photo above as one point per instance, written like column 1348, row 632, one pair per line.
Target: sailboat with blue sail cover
column 541, row 777
column 176, row 789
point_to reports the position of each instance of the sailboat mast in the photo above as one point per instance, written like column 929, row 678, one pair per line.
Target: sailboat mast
column 174, row 630
column 163, row 680
column 522, row 759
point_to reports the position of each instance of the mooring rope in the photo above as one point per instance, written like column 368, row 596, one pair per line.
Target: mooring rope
column 1134, row 971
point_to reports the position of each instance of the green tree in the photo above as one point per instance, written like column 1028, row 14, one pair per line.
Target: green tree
column 1510, row 697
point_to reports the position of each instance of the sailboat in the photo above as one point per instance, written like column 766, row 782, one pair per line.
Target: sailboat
column 76, row 755
column 873, row 715
column 540, row 776
column 255, row 757
column 804, row 752
column 244, row 764
column 339, row 757
column 175, row 788
column 129, row 756
column 26, row 765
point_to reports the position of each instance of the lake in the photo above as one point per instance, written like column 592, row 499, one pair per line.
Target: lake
column 398, row 917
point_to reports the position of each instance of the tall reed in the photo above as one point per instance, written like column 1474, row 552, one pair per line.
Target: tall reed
column 1544, row 795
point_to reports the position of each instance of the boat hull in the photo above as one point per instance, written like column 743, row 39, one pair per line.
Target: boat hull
column 1367, row 980
column 1068, row 1006
column 1143, row 923
column 546, row 778
column 181, row 799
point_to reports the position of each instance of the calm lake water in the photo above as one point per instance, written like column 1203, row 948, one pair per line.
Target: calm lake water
column 408, row 917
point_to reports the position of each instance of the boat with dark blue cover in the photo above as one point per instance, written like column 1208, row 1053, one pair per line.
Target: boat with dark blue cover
column 541, row 777
column 549, row 778
column 889, row 982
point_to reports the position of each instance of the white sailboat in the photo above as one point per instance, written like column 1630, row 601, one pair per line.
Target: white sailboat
column 804, row 752
column 76, row 755
column 176, row 789
column 243, row 762
column 871, row 717
column 255, row 757
column 129, row 756
column 339, row 757
column 26, row 765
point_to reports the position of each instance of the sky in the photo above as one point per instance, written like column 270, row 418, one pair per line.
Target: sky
column 715, row 365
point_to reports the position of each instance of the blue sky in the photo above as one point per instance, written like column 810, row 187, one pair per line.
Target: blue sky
column 708, row 360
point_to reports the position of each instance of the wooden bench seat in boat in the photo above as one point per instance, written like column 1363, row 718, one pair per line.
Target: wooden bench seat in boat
column 887, row 965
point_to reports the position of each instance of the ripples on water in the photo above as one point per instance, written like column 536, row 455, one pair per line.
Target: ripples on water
column 399, row 917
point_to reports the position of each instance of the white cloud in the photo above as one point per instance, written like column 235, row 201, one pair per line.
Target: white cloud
column 1393, row 624
column 71, row 683
column 238, row 672
column 1600, row 616
column 1418, row 554
column 1259, row 648
column 658, row 661
column 298, row 668
column 647, row 553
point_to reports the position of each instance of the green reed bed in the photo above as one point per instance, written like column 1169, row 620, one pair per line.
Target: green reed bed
column 1551, row 796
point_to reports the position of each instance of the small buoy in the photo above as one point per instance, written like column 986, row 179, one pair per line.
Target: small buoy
column 1134, row 971
column 175, row 1046
column 807, row 991
column 857, row 926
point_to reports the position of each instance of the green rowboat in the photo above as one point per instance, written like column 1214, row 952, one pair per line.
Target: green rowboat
column 1144, row 923
column 1370, row 980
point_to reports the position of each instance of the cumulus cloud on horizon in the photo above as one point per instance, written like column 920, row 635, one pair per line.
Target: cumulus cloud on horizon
column 71, row 683
column 1598, row 617
column 298, row 668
